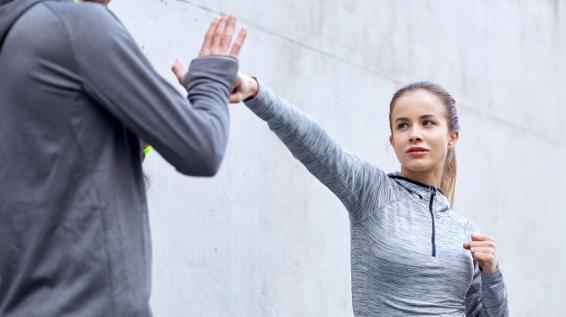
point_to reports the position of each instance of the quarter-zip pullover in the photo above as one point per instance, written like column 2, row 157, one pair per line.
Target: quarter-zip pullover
column 407, row 252
column 433, row 191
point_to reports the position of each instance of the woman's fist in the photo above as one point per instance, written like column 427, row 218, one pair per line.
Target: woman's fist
column 482, row 248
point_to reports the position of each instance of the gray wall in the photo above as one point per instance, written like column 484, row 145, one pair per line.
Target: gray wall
column 264, row 238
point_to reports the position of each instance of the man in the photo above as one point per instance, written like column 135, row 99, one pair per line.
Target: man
column 76, row 94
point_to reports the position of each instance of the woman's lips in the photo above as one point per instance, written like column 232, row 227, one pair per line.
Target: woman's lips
column 417, row 151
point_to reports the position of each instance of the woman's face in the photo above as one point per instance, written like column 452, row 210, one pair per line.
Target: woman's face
column 420, row 132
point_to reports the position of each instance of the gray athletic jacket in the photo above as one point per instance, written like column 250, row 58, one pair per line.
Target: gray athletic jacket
column 406, row 243
column 75, row 95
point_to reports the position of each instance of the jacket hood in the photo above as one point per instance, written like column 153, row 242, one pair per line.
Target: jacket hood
column 10, row 12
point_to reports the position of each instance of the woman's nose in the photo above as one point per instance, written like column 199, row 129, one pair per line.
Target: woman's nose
column 415, row 139
column 414, row 136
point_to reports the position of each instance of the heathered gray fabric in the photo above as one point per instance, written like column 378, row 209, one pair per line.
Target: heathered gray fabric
column 75, row 94
column 393, row 270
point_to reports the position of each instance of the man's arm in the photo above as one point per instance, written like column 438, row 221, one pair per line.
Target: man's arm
column 190, row 134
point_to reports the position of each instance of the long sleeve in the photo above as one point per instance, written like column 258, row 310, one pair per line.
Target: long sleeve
column 355, row 181
column 487, row 296
column 190, row 134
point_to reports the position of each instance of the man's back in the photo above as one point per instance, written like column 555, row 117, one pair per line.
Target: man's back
column 74, row 88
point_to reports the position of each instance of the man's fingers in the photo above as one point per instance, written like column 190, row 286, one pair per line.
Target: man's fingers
column 226, row 38
column 217, row 37
column 179, row 70
column 207, row 43
column 235, row 51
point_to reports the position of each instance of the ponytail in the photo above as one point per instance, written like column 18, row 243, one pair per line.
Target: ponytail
column 448, row 182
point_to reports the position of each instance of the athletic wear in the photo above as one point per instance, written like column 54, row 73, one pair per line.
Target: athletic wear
column 407, row 250
column 75, row 94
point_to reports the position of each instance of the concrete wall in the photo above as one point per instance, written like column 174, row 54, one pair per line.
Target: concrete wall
column 264, row 238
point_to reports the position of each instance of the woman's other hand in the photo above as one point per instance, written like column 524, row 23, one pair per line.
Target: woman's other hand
column 245, row 88
column 482, row 248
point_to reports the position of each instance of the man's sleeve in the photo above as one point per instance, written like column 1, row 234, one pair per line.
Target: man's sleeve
column 190, row 134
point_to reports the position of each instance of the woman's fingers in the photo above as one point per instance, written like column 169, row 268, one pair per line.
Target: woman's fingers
column 244, row 88
column 487, row 244
column 479, row 240
column 235, row 50
column 481, row 237
column 485, row 259
column 482, row 250
column 236, row 93
column 236, row 98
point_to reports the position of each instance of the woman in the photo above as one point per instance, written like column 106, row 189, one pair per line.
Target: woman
column 410, row 253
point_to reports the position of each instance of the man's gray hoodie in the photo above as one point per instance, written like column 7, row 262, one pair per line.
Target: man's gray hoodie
column 76, row 94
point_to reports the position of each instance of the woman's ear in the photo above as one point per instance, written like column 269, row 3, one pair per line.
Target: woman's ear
column 453, row 138
column 391, row 139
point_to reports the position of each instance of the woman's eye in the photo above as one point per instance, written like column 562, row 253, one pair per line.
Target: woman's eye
column 428, row 123
column 402, row 126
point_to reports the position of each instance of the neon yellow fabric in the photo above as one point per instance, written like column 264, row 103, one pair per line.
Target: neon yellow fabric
column 147, row 150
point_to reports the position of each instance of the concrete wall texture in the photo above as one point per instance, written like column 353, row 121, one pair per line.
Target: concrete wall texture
column 264, row 238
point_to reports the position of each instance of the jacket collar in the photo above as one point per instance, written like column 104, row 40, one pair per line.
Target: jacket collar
column 423, row 191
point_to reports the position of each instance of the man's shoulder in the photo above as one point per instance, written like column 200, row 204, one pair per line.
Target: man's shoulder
column 88, row 24
column 86, row 15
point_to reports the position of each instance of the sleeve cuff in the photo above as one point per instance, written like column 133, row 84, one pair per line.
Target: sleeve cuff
column 262, row 103
column 493, row 278
column 221, row 69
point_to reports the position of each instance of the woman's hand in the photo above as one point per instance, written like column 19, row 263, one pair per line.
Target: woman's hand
column 245, row 87
column 217, row 41
column 482, row 248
